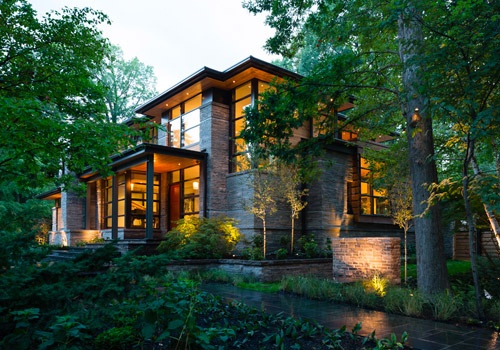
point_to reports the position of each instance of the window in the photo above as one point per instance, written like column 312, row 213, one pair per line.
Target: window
column 131, row 204
column 373, row 202
column 138, row 203
column 108, row 198
column 184, row 123
column 188, row 180
column 243, row 96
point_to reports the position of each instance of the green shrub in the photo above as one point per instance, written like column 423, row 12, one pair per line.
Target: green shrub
column 282, row 253
column 116, row 338
column 444, row 306
column 202, row 238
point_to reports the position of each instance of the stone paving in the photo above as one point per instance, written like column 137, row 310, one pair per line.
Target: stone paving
column 423, row 334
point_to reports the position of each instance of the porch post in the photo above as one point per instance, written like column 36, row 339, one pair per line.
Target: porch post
column 114, row 208
column 150, row 172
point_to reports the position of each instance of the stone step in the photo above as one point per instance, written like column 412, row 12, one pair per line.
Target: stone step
column 67, row 254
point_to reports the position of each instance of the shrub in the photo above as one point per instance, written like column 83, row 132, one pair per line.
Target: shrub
column 444, row 306
column 377, row 284
column 202, row 238
column 282, row 253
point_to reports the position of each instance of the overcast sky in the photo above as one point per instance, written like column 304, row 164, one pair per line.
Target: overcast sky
column 178, row 37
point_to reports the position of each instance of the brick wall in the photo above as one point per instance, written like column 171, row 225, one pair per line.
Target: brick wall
column 361, row 258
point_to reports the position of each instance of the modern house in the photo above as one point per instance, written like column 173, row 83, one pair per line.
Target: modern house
column 196, row 167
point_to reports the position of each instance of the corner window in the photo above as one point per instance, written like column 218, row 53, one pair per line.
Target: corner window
column 373, row 202
column 184, row 123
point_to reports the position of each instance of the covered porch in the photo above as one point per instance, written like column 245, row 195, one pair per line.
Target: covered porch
column 152, row 187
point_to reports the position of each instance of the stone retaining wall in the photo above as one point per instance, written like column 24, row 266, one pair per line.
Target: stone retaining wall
column 263, row 271
column 361, row 258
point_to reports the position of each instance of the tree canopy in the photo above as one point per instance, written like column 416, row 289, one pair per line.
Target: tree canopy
column 53, row 111
column 433, row 64
column 128, row 84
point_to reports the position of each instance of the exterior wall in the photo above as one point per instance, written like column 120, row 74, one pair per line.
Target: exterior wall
column 327, row 201
column 72, row 211
column 214, row 132
column 361, row 258
column 239, row 194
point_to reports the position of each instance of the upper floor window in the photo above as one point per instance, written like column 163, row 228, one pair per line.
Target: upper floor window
column 373, row 202
column 184, row 123
column 243, row 96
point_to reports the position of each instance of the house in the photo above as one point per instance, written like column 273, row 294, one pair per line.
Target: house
column 194, row 167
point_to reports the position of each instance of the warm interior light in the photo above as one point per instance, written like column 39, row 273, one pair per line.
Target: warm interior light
column 195, row 185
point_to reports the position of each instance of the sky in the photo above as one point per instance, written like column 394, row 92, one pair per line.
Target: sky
column 178, row 37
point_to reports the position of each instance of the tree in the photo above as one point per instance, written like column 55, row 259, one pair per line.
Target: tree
column 53, row 112
column 293, row 192
column 262, row 202
column 128, row 85
column 392, row 175
column 368, row 50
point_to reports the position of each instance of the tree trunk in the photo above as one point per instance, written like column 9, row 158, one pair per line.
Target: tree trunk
column 293, row 234
column 432, row 275
column 264, row 236
column 495, row 226
column 472, row 227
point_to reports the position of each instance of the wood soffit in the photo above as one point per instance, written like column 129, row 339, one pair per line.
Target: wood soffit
column 207, row 78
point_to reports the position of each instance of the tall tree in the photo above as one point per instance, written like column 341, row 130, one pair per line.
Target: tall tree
column 53, row 112
column 128, row 84
column 369, row 50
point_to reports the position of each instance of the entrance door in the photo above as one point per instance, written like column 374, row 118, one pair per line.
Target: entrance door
column 174, row 205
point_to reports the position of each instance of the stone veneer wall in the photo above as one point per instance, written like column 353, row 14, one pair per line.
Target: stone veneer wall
column 263, row 271
column 361, row 258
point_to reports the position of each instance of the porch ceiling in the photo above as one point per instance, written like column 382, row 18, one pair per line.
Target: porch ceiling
column 165, row 163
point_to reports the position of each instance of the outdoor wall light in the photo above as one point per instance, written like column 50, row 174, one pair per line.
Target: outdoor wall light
column 415, row 118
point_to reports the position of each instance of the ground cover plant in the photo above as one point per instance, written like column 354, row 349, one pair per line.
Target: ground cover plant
column 104, row 301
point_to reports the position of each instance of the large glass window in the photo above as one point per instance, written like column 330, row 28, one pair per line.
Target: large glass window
column 184, row 123
column 108, row 199
column 373, row 202
column 131, row 204
column 188, row 180
column 243, row 96
column 138, row 201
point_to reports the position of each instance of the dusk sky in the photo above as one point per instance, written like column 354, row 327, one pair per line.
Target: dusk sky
column 178, row 37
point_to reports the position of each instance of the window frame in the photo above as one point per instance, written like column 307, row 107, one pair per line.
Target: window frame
column 180, row 118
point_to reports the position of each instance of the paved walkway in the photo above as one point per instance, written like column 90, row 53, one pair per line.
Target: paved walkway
column 423, row 334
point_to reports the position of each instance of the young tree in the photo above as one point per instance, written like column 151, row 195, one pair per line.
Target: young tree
column 393, row 176
column 291, row 188
column 53, row 112
column 262, row 202
column 369, row 50
column 128, row 84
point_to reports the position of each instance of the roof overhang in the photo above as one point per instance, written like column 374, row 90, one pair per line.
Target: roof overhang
column 207, row 78
column 50, row 195
column 165, row 159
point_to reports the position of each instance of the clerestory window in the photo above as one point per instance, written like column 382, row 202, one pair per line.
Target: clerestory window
column 184, row 123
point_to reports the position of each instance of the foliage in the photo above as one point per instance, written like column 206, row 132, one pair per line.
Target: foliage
column 262, row 204
column 291, row 188
column 128, row 84
column 352, row 52
column 52, row 107
column 255, row 251
column 136, row 303
column 202, row 238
